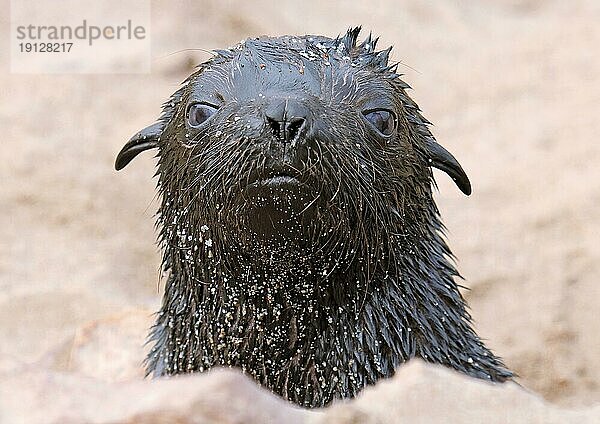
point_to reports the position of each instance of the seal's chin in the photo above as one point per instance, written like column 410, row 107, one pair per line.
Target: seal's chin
column 278, row 208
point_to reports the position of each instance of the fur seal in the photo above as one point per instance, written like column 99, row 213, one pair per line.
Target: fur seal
column 301, row 240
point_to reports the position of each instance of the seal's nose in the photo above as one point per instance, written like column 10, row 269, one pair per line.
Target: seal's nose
column 287, row 118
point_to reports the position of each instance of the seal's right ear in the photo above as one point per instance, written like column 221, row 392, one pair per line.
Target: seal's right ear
column 148, row 137
column 143, row 140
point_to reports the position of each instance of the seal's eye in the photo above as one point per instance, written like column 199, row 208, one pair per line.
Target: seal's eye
column 198, row 113
column 383, row 120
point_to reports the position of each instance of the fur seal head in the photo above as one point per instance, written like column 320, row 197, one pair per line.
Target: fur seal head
column 297, row 222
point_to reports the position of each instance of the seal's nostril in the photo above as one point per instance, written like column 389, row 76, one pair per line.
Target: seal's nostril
column 275, row 127
column 286, row 130
column 286, row 118
column 293, row 128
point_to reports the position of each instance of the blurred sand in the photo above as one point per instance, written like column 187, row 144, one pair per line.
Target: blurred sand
column 513, row 88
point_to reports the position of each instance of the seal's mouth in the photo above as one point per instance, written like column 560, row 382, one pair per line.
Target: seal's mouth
column 279, row 180
column 284, row 176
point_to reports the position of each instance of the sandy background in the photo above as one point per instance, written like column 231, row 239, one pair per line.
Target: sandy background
column 513, row 88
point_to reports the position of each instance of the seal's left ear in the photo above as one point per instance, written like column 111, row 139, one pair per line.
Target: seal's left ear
column 441, row 158
column 143, row 140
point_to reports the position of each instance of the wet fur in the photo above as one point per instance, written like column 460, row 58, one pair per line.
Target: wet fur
column 363, row 282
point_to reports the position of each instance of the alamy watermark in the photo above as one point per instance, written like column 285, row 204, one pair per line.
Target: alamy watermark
column 79, row 36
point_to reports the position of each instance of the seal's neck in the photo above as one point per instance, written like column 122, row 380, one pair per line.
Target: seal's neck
column 279, row 321
column 309, row 325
